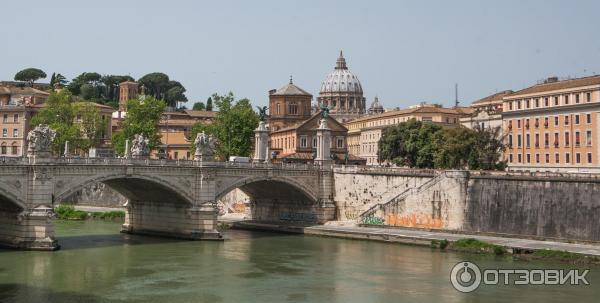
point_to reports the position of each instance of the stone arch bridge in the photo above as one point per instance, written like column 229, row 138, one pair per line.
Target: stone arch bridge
column 169, row 198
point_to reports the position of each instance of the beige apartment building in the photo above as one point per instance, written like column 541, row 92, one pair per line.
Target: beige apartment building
column 17, row 105
column 364, row 133
column 553, row 126
column 174, row 129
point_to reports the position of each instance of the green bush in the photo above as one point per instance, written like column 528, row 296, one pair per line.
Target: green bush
column 109, row 215
column 444, row 243
column 68, row 212
column 474, row 245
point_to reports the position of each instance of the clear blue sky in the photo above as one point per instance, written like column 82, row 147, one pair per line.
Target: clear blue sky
column 405, row 52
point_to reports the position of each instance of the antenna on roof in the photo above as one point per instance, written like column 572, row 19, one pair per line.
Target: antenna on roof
column 291, row 82
column 456, row 95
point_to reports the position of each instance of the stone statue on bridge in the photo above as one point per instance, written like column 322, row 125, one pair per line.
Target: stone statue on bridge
column 139, row 148
column 205, row 146
column 39, row 141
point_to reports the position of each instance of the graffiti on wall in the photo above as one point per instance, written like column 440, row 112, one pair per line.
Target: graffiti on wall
column 303, row 217
column 415, row 220
column 371, row 220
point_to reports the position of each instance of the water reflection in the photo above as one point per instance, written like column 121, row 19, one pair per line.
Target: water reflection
column 97, row 264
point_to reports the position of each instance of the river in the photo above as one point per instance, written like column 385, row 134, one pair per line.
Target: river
column 98, row 264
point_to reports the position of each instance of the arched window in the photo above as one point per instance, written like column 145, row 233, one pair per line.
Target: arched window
column 3, row 148
column 14, row 148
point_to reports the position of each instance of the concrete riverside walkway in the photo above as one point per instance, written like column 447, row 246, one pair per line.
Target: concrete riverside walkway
column 418, row 237
column 97, row 209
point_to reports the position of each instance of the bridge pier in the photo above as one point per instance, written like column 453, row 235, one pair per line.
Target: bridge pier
column 171, row 220
column 31, row 229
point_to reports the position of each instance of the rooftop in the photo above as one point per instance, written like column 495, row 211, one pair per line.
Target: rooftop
column 553, row 84
column 494, row 97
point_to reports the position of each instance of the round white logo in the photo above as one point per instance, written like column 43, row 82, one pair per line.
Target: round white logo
column 465, row 276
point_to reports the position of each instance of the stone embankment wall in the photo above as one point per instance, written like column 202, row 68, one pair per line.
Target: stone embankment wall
column 550, row 206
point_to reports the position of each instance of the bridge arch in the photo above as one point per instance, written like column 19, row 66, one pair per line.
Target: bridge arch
column 252, row 185
column 136, row 187
column 273, row 199
column 9, row 201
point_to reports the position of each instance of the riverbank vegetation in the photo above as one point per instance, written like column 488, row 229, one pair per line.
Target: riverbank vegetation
column 480, row 247
column 68, row 212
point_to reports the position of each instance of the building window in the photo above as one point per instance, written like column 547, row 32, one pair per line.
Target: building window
column 566, row 120
column 527, row 103
column 293, row 108
column 556, row 142
column 567, row 158
column 537, row 158
column 528, row 158
column 510, row 140
column 14, row 149
column 588, row 97
column 546, row 140
column 518, row 123
column 576, row 98
column 588, row 140
column 555, row 101
column 5, row 118
column 588, row 118
column 315, row 142
column 518, row 104
column 510, row 158
column 519, row 158
column 577, row 158
column 566, row 99
column 16, row 118
column 15, row 132
column 3, row 149
column 519, row 140
column 589, row 157
column 510, row 107
column 547, row 158
column 546, row 122
column 340, row 142
column 556, row 121
column 556, row 158
column 4, row 133
column 577, row 119
column 577, row 138
column 537, row 140
column 546, row 102
column 303, row 141
column 278, row 108
column 567, row 138
column 537, row 102
column 527, row 141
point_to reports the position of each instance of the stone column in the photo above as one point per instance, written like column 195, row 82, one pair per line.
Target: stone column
column 323, row 144
column 66, row 152
column 127, row 153
column 261, row 139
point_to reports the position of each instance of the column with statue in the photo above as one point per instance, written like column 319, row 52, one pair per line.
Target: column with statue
column 261, row 137
column 323, row 156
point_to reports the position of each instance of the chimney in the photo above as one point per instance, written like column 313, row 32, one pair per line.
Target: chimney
column 551, row 80
column 272, row 91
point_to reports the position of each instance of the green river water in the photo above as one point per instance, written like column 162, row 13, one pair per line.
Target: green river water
column 98, row 264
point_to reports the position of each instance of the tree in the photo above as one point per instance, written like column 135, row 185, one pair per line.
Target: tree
column 30, row 75
column 209, row 104
column 59, row 114
column 92, row 125
column 408, row 144
column 455, row 148
column 156, row 84
column 199, row 106
column 60, row 80
column 233, row 126
column 52, row 79
column 88, row 91
column 142, row 117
